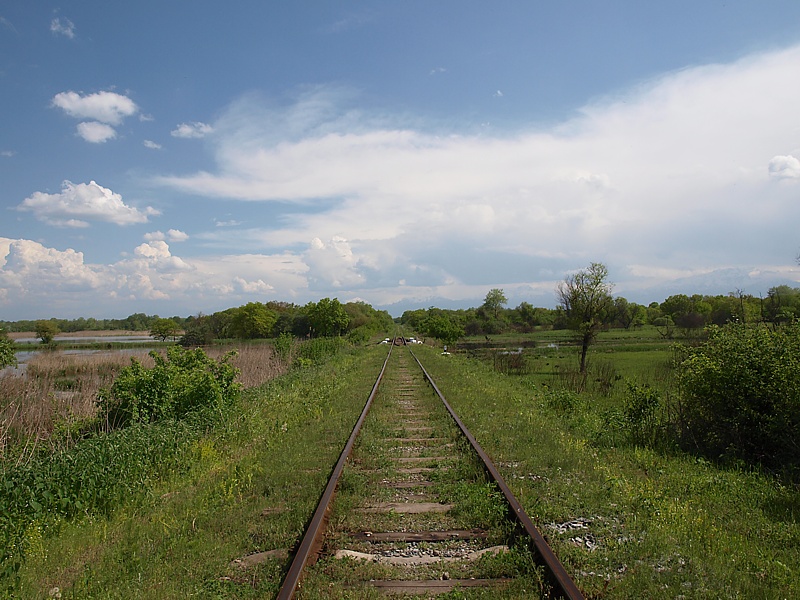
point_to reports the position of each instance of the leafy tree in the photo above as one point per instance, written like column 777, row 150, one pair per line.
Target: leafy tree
column 327, row 317
column 585, row 297
column 7, row 355
column 494, row 301
column 629, row 314
column 161, row 329
column 46, row 331
column 443, row 328
column 253, row 320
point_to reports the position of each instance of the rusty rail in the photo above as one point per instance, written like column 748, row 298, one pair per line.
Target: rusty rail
column 558, row 575
column 312, row 540
column 316, row 529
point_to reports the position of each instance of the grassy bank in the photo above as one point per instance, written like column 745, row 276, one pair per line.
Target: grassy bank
column 629, row 521
column 246, row 485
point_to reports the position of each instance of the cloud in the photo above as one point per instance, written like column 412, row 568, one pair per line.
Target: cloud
column 191, row 130
column 8, row 153
column 332, row 264
column 43, row 282
column 662, row 176
column 63, row 27
column 152, row 145
column 784, row 167
column 106, row 107
column 80, row 202
column 173, row 235
column 498, row 94
column 437, row 70
column 96, row 133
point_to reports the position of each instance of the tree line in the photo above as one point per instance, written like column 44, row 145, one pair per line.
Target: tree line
column 678, row 314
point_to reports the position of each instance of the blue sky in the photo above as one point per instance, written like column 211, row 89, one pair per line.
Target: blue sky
column 183, row 157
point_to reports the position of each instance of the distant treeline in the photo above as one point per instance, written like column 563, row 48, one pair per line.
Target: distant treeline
column 134, row 322
column 329, row 317
column 357, row 320
column 678, row 312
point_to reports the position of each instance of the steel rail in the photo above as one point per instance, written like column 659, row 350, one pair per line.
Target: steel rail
column 559, row 575
column 316, row 528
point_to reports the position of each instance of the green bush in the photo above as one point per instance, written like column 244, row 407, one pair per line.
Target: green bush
column 183, row 381
column 7, row 355
column 741, row 394
column 640, row 413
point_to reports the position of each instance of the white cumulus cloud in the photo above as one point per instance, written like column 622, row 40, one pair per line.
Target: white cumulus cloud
column 332, row 264
column 152, row 145
column 106, row 107
column 95, row 132
column 78, row 203
column 191, row 130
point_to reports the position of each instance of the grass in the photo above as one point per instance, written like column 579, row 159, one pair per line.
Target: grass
column 249, row 486
column 628, row 521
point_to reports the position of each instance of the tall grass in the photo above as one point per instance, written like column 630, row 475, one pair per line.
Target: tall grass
column 58, row 390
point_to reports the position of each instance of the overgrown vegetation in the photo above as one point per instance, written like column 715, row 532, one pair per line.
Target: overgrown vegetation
column 630, row 511
column 195, row 497
column 182, row 382
column 740, row 394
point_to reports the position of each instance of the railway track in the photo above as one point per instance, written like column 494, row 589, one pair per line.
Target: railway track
column 414, row 506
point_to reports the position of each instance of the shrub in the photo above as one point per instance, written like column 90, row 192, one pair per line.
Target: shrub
column 640, row 413
column 7, row 355
column 179, row 383
column 741, row 394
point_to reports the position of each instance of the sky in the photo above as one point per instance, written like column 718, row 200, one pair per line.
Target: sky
column 184, row 157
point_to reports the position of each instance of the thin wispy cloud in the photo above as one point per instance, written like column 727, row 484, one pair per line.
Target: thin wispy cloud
column 63, row 26
column 640, row 181
column 194, row 130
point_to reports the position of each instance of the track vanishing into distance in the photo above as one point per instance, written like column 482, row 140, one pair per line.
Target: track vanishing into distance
column 414, row 506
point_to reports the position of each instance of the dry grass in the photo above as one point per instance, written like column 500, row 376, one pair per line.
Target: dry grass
column 61, row 388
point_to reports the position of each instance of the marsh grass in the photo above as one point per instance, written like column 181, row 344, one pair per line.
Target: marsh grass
column 56, row 395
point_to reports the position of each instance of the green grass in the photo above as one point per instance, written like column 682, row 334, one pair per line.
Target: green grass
column 654, row 524
column 251, row 487
column 646, row 523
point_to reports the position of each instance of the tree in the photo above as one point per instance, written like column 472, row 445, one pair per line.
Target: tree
column 494, row 301
column 46, row 331
column 7, row 355
column 161, row 329
column 327, row 317
column 253, row 320
column 443, row 329
column 585, row 297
